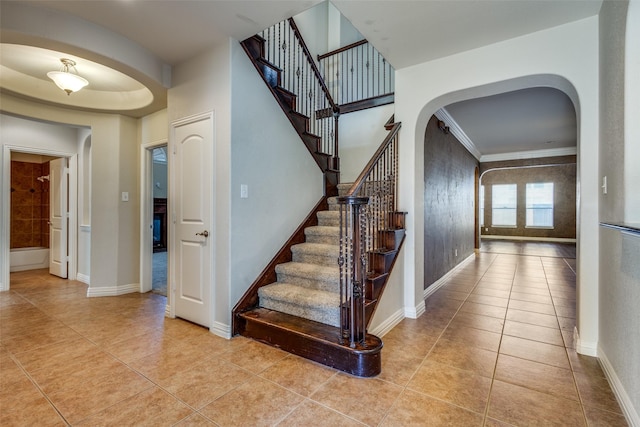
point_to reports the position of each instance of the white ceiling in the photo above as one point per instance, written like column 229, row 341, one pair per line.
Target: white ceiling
column 406, row 32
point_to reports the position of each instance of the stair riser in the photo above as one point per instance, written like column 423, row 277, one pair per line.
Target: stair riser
column 328, row 260
column 324, row 284
column 328, row 219
column 323, row 238
column 326, row 316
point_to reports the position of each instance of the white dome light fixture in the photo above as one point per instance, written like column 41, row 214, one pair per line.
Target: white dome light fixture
column 65, row 80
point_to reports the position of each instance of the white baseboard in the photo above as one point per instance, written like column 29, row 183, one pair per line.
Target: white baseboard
column 533, row 239
column 388, row 324
column 221, row 330
column 83, row 278
column 441, row 281
column 630, row 413
column 167, row 311
column 112, row 291
column 415, row 312
column 584, row 347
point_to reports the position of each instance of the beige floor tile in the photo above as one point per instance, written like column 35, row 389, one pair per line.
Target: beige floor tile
column 536, row 376
column 532, row 318
column 77, row 400
column 458, row 355
column 532, row 306
column 167, row 362
column 477, row 321
column 599, row 418
column 489, row 300
column 298, row 375
column 522, row 406
column 483, row 309
column 310, row 413
column 366, row 400
column 596, row 393
column 473, row 337
column 491, row 292
column 456, row 386
column 416, row 409
column 398, row 366
column 541, row 299
column 139, row 346
column 535, row 351
column 149, row 407
column 22, row 404
column 257, row 402
column 204, row 382
column 60, row 355
column 533, row 332
column 254, row 356
column 587, row 365
column 567, row 323
column 195, row 420
column 521, row 288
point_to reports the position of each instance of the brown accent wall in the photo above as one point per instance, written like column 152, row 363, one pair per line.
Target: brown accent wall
column 29, row 205
column 449, row 202
column 563, row 176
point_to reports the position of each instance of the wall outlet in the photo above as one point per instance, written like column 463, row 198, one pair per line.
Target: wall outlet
column 125, row 196
column 455, row 252
column 486, row 229
column 604, row 185
column 244, row 191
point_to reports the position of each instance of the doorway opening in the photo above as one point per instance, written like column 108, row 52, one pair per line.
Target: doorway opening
column 159, row 180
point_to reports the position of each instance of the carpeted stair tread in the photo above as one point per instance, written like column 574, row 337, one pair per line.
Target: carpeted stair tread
column 344, row 187
column 312, row 276
column 329, row 218
column 316, row 253
column 323, row 234
column 320, row 306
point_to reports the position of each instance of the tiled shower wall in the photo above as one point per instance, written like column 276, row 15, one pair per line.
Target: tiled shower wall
column 29, row 205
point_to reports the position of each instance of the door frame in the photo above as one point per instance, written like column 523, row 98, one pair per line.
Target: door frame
column 5, row 223
column 146, row 212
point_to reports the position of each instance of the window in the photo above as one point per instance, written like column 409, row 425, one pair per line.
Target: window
column 481, row 203
column 504, row 202
column 540, row 204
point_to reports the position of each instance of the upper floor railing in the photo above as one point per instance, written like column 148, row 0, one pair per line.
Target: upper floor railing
column 356, row 72
column 285, row 48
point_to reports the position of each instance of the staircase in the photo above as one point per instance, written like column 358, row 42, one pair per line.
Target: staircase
column 319, row 293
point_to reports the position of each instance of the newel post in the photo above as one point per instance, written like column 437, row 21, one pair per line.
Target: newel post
column 352, row 261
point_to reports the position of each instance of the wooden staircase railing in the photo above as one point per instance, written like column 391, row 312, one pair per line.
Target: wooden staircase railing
column 358, row 76
column 371, row 233
column 281, row 56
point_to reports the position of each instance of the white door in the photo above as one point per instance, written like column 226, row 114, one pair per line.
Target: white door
column 58, row 219
column 192, row 195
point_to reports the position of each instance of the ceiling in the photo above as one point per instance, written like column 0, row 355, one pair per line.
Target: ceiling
column 175, row 30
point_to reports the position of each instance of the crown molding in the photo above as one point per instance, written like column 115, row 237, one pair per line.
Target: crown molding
column 533, row 154
column 443, row 114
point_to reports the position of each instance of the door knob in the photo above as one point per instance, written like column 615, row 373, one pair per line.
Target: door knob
column 205, row 233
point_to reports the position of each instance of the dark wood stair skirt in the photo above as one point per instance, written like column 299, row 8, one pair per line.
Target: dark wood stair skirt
column 311, row 340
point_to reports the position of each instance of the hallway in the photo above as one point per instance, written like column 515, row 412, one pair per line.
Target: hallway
column 494, row 348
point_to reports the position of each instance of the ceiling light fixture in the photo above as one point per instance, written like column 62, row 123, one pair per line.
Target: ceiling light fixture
column 65, row 80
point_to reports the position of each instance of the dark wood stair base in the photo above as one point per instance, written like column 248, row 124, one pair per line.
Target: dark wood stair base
column 311, row 340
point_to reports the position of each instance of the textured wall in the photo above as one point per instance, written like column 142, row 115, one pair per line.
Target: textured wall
column 449, row 202
column 564, row 179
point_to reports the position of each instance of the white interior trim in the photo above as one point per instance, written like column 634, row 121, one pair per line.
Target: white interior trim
column 6, row 212
column 146, row 212
column 456, row 130
column 584, row 347
column 533, row 154
column 388, row 323
column 441, row 281
column 112, row 291
column 630, row 413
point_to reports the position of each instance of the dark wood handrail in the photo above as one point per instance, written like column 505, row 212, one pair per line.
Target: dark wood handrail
column 342, row 49
column 365, row 172
column 314, row 67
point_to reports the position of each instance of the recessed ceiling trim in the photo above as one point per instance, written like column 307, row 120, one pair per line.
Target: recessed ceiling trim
column 519, row 155
column 457, row 131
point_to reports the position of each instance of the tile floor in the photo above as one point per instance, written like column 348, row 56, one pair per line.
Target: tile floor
column 493, row 348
